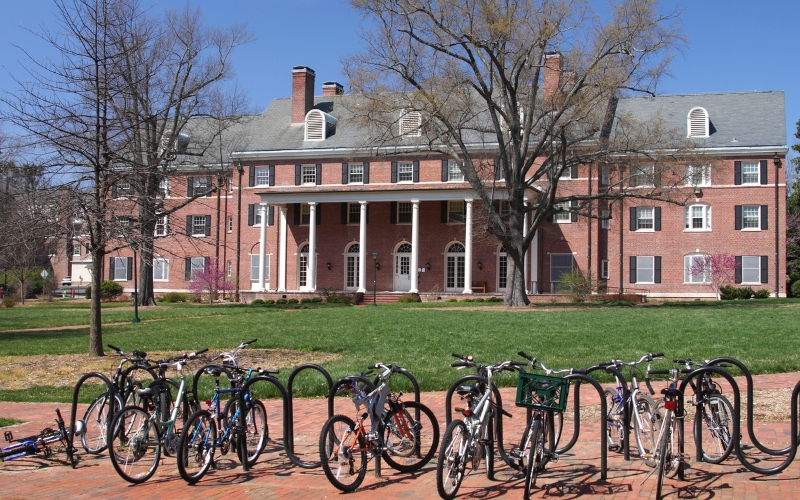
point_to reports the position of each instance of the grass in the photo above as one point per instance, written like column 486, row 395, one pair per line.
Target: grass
column 5, row 422
column 762, row 334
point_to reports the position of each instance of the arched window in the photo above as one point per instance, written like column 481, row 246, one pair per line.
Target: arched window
column 697, row 122
column 302, row 261
column 319, row 125
column 351, row 263
column 455, row 265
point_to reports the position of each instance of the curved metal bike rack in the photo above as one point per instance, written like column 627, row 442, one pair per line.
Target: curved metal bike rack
column 243, row 415
column 603, row 420
column 409, row 376
column 289, row 424
column 111, row 390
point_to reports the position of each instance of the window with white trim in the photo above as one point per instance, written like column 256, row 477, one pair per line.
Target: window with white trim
column 309, row 174
column 751, row 269
column 456, row 211
column 161, row 226
column 124, row 188
column 560, row 264
column 163, row 188
column 642, row 176
column 351, row 267
column 751, row 217
column 645, row 269
column 604, row 269
column 698, row 217
column 405, row 171
column 120, row 268
column 605, row 220
column 201, row 185
column 411, row 123
column 198, row 225
column 561, row 213
column 354, row 213
column 697, row 175
column 230, row 223
column 751, row 172
column 404, row 212
column 230, row 269
column 644, row 218
column 255, row 263
column 198, row 265
column 697, row 123
column 305, row 214
column 605, row 175
column 262, row 176
column 76, row 248
column 454, row 173
column 355, row 173
column 698, row 263
column 160, row 269
column 502, row 269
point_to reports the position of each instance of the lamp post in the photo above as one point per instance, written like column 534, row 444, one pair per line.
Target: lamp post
column 135, row 247
column 375, row 279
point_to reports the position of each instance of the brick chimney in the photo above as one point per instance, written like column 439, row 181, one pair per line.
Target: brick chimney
column 332, row 88
column 552, row 78
column 302, row 92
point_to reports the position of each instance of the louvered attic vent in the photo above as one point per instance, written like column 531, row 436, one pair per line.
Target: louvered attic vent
column 319, row 125
column 697, row 122
column 411, row 123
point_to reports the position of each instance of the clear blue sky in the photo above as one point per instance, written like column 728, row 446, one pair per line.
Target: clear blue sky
column 734, row 45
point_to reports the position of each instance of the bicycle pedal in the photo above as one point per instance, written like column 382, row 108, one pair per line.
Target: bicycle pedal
column 613, row 447
column 9, row 436
column 515, row 454
column 554, row 457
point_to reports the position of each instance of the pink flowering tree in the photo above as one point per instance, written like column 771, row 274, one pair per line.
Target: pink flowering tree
column 718, row 269
column 210, row 280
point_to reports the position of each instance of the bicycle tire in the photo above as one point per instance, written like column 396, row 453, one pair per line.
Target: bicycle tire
column 663, row 452
column 96, row 419
column 134, row 444
column 488, row 446
column 615, row 420
column 350, row 467
column 715, row 433
column 410, row 441
column 451, row 465
column 196, row 446
column 256, row 431
column 538, row 453
column 647, row 432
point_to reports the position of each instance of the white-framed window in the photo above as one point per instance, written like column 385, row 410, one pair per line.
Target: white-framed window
column 645, row 218
column 229, row 267
column 645, row 269
column 405, row 171
column 76, row 248
column 698, row 175
column 605, row 220
column 161, row 226
column 120, row 268
column 201, row 185
column 561, row 213
column 198, row 265
column 697, row 123
column 163, row 188
column 309, row 174
column 751, row 269
column 354, row 213
column 456, row 211
column 751, row 172
column 255, row 262
column 124, row 188
column 642, row 176
column 198, row 225
column 302, row 263
column 696, row 261
column 355, row 173
column 698, row 217
column 411, row 123
column 503, row 208
column 351, row 266
column 454, row 173
column 262, row 176
column 305, row 214
column 502, row 269
column 160, row 269
column 560, row 264
column 230, row 223
column 604, row 269
column 404, row 212
column 751, row 217
column 605, row 176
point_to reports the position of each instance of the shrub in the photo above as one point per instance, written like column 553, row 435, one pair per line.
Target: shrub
column 452, row 299
column 269, row 302
column 340, row 298
column 479, row 299
column 110, row 289
column 746, row 293
column 9, row 302
column 173, row 297
column 576, row 285
column 409, row 298
column 316, row 300
column 292, row 301
column 196, row 298
column 305, row 300
column 494, row 299
column 796, row 289
column 257, row 302
column 465, row 300
column 762, row 294
column 88, row 292
column 728, row 292
column 281, row 301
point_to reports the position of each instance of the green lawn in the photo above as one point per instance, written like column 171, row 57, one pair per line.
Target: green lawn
column 763, row 334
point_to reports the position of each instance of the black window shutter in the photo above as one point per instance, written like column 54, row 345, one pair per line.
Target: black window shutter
column 271, row 215
column 188, row 225
column 345, row 173
column 498, row 169
column 344, row 212
column 111, row 268
column 272, row 175
column 657, row 269
column 206, row 262
column 764, row 269
column 764, row 217
column 393, row 212
column 297, row 174
column 763, row 172
column 251, row 214
column 130, row 269
column 633, row 268
column 319, row 214
column 394, row 172
column 444, row 211
column 657, row 222
column 296, row 214
column 366, row 172
column 445, row 170
column 252, row 181
column 416, row 171
column 573, row 216
column 634, row 220
column 208, row 185
column 549, row 218
column 190, row 187
column 208, row 225
column 737, row 211
column 187, row 268
column 737, row 174
column 573, row 172
column 319, row 174
column 738, row 278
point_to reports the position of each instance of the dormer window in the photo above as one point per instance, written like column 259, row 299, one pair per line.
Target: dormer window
column 319, row 125
column 411, row 124
column 697, row 122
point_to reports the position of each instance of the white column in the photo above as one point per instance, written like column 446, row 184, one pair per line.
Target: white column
column 262, row 248
column 534, row 263
column 311, row 270
column 526, row 257
column 414, row 246
column 282, row 249
column 468, row 249
column 362, row 249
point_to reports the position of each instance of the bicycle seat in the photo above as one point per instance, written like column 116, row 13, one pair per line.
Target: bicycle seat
column 213, row 370
column 139, row 354
column 469, row 390
column 147, row 392
column 671, row 391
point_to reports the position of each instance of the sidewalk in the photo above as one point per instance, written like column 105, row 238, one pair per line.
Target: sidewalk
column 576, row 474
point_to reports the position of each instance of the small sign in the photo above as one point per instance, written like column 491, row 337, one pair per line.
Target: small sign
column 44, row 273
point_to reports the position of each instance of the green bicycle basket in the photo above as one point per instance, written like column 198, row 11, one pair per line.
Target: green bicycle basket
column 542, row 392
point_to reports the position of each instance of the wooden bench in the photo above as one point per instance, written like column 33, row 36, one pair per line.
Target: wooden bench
column 479, row 286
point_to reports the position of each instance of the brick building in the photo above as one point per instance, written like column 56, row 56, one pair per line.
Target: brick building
column 302, row 168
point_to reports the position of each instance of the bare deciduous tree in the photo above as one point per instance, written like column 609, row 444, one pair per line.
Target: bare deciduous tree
column 476, row 72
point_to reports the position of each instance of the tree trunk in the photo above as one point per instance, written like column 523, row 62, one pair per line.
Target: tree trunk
column 515, row 288
column 95, row 326
column 145, row 295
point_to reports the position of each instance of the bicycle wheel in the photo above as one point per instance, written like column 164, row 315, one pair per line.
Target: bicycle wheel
column 411, row 435
column 343, row 453
column 647, row 431
column 615, row 421
column 94, row 438
column 134, row 444
column 673, row 464
column 451, row 466
column 538, row 451
column 256, row 426
column 487, row 448
column 196, row 446
column 663, row 452
column 716, row 431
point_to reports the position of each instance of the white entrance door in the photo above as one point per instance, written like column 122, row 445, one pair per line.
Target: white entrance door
column 455, row 268
column 402, row 268
column 351, row 267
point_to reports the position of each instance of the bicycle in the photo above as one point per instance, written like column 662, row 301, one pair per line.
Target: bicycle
column 715, row 412
column 38, row 443
column 646, row 418
column 404, row 433
column 125, row 381
column 136, row 437
column 668, row 459
column 470, row 440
